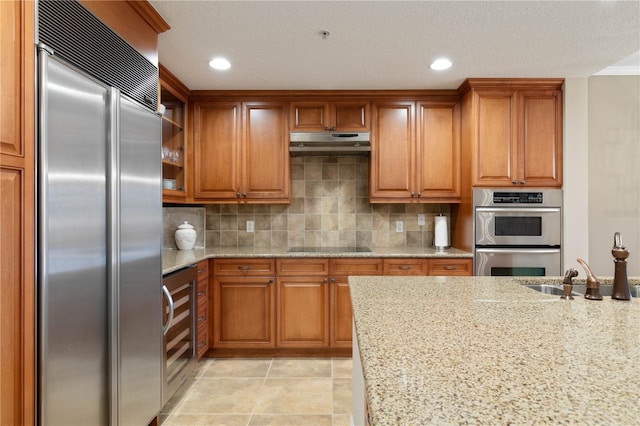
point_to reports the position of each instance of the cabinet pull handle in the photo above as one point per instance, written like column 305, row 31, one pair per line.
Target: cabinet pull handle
column 450, row 267
column 201, row 293
column 201, row 344
column 200, row 319
column 404, row 267
column 244, row 268
column 201, row 270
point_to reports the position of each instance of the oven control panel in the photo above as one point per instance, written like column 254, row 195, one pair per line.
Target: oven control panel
column 517, row 198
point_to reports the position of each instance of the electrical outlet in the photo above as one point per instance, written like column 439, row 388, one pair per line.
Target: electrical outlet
column 399, row 226
column 251, row 226
column 421, row 220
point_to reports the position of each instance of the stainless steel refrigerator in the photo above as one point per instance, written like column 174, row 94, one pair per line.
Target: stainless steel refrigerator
column 99, row 251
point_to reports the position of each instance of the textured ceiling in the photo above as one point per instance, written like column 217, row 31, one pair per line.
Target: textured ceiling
column 390, row 44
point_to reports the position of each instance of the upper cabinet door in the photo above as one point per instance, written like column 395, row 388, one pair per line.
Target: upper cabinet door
column 350, row 116
column 266, row 152
column 392, row 151
column 495, row 156
column 217, row 150
column 326, row 116
column 540, row 137
column 438, row 150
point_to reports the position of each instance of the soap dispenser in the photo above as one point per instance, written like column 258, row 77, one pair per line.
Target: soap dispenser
column 621, row 289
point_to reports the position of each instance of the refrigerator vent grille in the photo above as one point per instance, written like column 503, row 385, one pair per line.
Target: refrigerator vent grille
column 80, row 38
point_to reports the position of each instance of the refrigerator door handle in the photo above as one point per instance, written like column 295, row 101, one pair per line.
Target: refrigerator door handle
column 166, row 293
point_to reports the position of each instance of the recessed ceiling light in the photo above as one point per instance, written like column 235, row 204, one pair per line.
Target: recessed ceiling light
column 441, row 64
column 220, row 64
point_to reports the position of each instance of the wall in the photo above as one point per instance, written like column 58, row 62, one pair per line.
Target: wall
column 575, row 238
column 329, row 208
column 614, row 169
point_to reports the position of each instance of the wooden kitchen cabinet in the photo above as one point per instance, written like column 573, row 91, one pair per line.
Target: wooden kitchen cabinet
column 415, row 162
column 451, row 266
column 244, row 303
column 17, row 213
column 517, row 135
column 241, row 152
column 324, row 116
column 303, row 303
column 303, row 312
column 173, row 95
column 202, row 308
column 243, row 310
column 340, row 329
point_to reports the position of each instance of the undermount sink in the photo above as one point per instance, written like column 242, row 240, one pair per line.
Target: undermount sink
column 578, row 289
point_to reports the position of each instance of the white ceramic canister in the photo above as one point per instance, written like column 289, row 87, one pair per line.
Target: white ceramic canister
column 185, row 236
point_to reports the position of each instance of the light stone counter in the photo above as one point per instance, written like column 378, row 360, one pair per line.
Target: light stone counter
column 483, row 350
column 173, row 260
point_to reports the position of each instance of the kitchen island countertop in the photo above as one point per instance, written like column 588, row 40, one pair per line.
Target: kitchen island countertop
column 486, row 350
column 173, row 260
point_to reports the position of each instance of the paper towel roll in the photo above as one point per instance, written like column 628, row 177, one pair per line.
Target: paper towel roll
column 441, row 233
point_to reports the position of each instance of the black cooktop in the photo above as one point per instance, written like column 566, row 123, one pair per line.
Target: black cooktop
column 329, row 250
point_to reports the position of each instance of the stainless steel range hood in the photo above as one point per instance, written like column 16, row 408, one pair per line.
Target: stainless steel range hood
column 329, row 143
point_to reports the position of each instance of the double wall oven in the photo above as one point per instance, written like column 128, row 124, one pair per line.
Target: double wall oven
column 517, row 232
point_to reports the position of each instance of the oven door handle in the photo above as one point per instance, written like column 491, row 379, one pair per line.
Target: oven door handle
column 166, row 293
column 518, row 209
column 518, row 250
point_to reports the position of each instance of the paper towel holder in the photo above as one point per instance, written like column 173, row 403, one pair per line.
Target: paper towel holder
column 441, row 232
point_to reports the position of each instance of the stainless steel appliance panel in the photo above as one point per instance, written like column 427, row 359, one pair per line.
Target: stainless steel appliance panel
column 140, row 241
column 518, row 226
column 513, row 261
column 73, row 357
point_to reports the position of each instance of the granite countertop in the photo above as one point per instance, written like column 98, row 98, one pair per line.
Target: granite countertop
column 172, row 260
column 486, row 350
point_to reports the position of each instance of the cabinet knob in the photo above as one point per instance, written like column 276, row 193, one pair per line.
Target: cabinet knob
column 271, row 281
column 413, row 194
column 200, row 271
column 237, row 194
column 419, row 194
column 515, row 182
column 522, row 182
column 325, row 281
column 201, row 293
column 200, row 319
column 333, row 280
column 244, row 195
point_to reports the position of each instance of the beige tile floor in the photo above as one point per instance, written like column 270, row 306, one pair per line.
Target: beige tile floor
column 278, row 391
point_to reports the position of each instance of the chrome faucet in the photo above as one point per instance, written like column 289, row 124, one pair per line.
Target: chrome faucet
column 567, row 284
column 621, row 289
column 593, row 285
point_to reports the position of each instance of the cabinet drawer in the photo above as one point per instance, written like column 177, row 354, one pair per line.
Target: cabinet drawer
column 244, row 267
column 405, row 266
column 450, row 267
column 203, row 271
column 292, row 267
column 345, row 267
column 201, row 343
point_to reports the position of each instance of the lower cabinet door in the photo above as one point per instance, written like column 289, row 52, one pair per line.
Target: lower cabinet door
column 244, row 312
column 303, row 312
column 340, row 313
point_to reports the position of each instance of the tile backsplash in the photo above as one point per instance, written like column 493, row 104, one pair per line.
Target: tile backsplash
column 329, row 208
